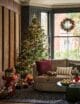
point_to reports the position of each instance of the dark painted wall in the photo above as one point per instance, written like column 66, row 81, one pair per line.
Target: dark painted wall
column 24, row 20
column 27, row 13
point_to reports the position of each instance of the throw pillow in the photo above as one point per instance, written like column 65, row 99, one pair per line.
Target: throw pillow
column 75, row 65
column 44, row 66
column 64, row 70
column 51, row 73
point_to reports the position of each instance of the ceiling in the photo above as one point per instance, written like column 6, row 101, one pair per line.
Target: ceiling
column 49, row 3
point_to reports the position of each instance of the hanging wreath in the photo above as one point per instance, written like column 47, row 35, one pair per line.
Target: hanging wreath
column 67, row 24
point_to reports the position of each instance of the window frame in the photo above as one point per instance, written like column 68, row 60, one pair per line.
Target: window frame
column 60, row 10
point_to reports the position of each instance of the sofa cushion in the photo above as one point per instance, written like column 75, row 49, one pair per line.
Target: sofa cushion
column 58, row 63
column 64, row 70
column 75, row 65
column 44, row 66
column 63, row 77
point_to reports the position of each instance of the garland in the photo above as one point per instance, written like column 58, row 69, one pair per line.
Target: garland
column 66, row 27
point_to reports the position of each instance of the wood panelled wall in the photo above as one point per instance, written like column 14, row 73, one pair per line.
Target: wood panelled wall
column 12, row 38
column 0, row 38
column 9, row 33
column 6, row 37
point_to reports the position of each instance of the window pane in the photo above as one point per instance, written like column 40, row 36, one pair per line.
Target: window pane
column 44, row 25
column 60, row 48
column 59, row 17
column 67, row 43
column 67, row 48
column 74, row 48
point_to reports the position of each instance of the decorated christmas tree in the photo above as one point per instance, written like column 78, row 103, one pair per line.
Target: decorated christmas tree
column 32, row 48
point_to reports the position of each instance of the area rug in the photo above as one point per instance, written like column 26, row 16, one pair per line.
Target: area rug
column 29, row 95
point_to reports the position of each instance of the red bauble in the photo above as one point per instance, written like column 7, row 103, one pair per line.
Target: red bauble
column 15, row 76
column 77, row 79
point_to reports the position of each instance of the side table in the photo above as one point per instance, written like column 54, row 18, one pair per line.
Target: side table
column 72, row 91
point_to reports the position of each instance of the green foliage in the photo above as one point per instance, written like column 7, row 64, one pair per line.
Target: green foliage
column 76, row 18
column 32, row 48
column 73, row 53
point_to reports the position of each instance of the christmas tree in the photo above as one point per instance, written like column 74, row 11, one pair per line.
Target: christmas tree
column 32, row 48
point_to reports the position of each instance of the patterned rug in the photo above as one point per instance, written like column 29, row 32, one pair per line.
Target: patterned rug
column 29, row 95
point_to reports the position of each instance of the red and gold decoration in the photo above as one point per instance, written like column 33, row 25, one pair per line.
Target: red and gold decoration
column 10, row 78
column 29, row 79
column 25, row 82
column 67, row 24
column 76, row 79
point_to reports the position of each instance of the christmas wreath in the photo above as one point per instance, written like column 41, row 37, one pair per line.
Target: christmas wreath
column 67, row 24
